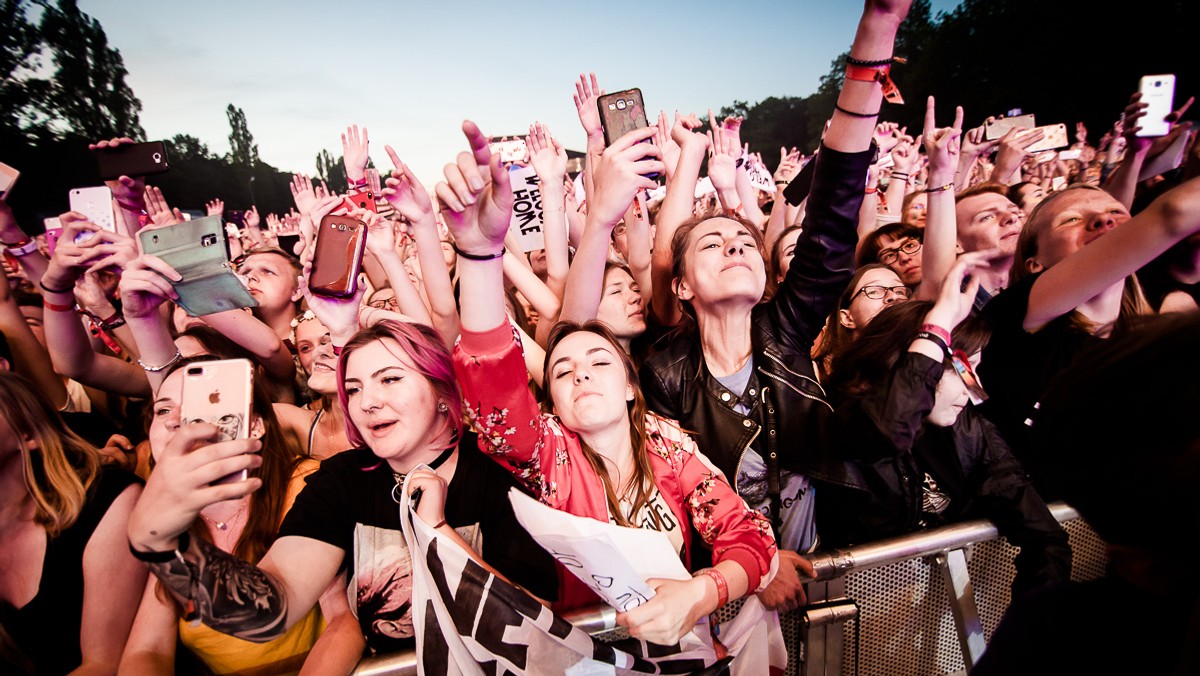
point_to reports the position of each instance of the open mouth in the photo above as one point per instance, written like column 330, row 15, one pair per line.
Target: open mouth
column 381, row 427
column 318, row 366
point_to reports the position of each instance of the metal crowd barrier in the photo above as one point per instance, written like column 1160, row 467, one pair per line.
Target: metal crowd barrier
column 923, row 603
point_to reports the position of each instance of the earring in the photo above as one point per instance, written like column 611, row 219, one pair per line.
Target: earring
column 442, row 407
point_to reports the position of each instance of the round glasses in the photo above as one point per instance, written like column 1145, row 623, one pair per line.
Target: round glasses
column 879, row 292
column 889, row 256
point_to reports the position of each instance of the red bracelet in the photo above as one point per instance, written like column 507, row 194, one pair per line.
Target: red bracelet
column 871, row 191
column 937, row 331
column 719, row 579
column 57, row 307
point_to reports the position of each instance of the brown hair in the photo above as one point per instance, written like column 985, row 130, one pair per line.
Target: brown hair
column 643, row 474
column 679, row 250
column 869, row 247
column 776, row 261
column 836, row 338
column 59, row 466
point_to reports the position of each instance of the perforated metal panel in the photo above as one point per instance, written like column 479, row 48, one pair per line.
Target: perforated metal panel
column 906, row 624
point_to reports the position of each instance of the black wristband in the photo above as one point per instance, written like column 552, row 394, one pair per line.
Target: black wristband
column 477, row 257
column 851, row 113
column 934, row 338
column 163, row 557
column 69, row 289
column 868, row 64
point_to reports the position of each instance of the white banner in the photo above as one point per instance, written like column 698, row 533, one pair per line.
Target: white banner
column 468, row 621
column 526, row 221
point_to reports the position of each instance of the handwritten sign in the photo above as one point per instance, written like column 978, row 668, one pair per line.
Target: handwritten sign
column 613, row 561
column 760, row 176
column 526, row 222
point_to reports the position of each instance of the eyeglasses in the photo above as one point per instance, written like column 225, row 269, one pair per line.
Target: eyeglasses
column 879, row 292
column 889, row 256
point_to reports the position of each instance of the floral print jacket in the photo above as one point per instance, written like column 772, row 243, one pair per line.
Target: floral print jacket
column 548, row 459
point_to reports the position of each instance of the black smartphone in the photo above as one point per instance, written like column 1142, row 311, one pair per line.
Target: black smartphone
column 798, row 189
column 136, row 159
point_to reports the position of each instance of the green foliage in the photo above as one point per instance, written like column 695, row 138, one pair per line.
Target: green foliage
column 187, row 147
column 332, row 172
column 243, row 149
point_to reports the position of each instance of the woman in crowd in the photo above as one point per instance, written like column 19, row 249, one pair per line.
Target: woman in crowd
column 599, row 452
column 322, row 428
column 873, row 287
column 925, row 456
column 67, row 577
column 403, row 417
column 244, row 527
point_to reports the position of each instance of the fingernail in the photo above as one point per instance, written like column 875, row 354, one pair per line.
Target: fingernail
column 476, row 184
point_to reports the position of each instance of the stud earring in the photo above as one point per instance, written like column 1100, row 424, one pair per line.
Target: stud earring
column 442, row 407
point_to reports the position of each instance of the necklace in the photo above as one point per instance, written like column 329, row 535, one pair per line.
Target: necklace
column 224, row 525
column 437, row 462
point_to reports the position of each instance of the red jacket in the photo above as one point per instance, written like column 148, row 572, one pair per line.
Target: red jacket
column 548, row 459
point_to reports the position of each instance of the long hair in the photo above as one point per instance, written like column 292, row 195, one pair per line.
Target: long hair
column 280, row 455
column 1133, row 301
column 58, row 465
column 679, row 253
column 643, row 474
column 836, row 338
column 423, row 347
column 880, row 344
column 776, row 261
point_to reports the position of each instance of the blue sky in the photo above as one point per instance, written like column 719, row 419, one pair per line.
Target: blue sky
column 411, row 72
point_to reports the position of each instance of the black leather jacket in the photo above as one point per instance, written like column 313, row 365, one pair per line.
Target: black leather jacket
column 884, row 438
column 790, row 413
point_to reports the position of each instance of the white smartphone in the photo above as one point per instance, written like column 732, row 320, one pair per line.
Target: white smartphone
column 8, row 176
column 1159, row 92
column 96, row 204
column 219, row 392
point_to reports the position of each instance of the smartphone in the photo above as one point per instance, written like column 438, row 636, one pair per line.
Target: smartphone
column 132, row 159
column 797, row 191
column 621, row 113
column 196, row 249
column 8, row 176
column 337, row 257
column 512, row 150
column 998, row 128
column 1070, row 154
column 52, row 235
column 220, row 393
column 1159, row 92
column 95, row 203
column 362, row 200
column 1054, row 136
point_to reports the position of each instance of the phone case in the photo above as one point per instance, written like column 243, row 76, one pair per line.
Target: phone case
column 52, row 235
column 220, row 393
column 1053, row 136
column 196, row 249
column 363, row 200
column 137, row 159
column 96, row 204
column 1158, row 91
column 512, row 150
column 998, row 128
column 8, row 176
column 621, row 113
column 338, row 255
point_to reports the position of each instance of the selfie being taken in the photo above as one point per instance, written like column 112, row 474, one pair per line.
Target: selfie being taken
column 473, row 339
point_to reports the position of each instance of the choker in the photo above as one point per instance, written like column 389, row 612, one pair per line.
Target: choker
column 437, row 462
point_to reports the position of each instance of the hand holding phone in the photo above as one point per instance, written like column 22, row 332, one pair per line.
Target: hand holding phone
column 8, row 176
column 220, row 393
column 96, row 204
column 337, row 256
column 131, row 159
column 1158, row 93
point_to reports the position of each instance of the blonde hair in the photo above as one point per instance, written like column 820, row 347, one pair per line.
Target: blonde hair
column 58, row 465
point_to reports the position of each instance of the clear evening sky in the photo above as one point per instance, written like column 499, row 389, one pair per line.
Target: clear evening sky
column 411, row 72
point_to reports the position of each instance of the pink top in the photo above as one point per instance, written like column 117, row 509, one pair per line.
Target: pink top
column 548, row 459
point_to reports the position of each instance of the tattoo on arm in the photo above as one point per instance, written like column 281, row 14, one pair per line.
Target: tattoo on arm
column 227, row 594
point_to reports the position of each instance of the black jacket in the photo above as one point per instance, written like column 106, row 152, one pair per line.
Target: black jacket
column 790, row 412
column 885, row 439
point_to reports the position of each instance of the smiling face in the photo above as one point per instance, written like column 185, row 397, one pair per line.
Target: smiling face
column 588, row 383
column 1073, row 220
column 988, row 221
column 314, row 348
column 723, row 265
column 392, row 405
column 862, row 307
column 621, row 305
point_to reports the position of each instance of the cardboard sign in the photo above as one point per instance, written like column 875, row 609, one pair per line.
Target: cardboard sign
column 526, row 222
column 760, row 176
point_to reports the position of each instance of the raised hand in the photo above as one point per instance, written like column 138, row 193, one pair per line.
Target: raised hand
column 620, row 173
column 126, row 191
column 957, row 297
column 546, row 154
column 319, row 210
column 724, row 151
column 476, row 197
column 146, row 284
column 302, row 192
column 887, row 135
column 789, row 165
column 942, row 145
column 585, row 97
column 975, row 142
column 354, row 153
column 339, row 315
column 160, row 212
column 216, row 207
column 381, row 236
column 405, row 193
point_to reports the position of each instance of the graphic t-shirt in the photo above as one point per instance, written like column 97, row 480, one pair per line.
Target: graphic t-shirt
column 348, row 503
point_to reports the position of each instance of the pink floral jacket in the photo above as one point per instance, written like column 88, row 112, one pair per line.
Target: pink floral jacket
column 548, row 459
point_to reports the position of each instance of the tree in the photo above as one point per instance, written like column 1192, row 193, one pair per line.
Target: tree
column 332, row 171
column 188, row 147
column 21, row 93
column 243, row 149
column 89, row 96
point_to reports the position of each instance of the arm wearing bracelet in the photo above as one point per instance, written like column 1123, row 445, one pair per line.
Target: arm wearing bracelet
column 29, row 356
column 874, row 40
column 72, row 354
column 154, row 344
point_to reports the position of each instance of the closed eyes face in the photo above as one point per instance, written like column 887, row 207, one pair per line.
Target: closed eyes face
column 723, row 263
column 621, row 305
column 588, row 383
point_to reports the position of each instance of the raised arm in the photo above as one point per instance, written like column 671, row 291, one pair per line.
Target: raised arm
column 676, row 208
column 549, row 160
column 381, row 243
column 937, row 251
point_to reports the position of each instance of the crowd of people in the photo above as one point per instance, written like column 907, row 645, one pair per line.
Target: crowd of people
column 755, row 374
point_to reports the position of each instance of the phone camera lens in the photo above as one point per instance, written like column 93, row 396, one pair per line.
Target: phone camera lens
column 342, row 228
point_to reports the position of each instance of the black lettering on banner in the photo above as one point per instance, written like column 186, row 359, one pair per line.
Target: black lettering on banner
column 560, row 628
column 463, row 605
column 497, row 615
column 435, row 654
